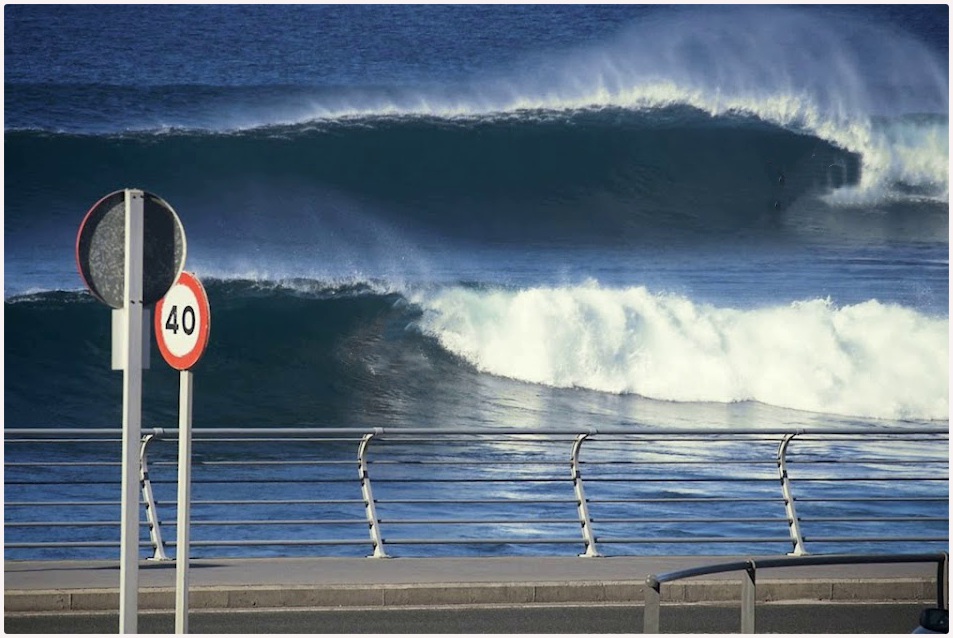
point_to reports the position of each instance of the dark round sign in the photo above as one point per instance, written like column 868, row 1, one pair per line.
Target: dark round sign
column 101, row 248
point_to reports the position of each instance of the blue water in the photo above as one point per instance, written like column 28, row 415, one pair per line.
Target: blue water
column 554, row 216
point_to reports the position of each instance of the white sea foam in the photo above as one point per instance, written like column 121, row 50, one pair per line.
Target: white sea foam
column 868, row 360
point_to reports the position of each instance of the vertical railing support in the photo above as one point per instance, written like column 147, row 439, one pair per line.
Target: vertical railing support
column 794, row 524
column 369, row 505
column 152, row 514
column 582, row 505
column 653, row 598
column 748, row 590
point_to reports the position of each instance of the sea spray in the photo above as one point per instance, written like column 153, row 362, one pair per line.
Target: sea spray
column 845, row 79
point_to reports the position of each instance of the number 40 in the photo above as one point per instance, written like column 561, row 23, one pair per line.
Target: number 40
column 188, row 320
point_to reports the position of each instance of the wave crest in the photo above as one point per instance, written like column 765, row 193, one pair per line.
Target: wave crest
column 867, row 360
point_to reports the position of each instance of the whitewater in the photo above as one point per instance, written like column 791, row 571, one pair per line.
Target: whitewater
column 870, row 359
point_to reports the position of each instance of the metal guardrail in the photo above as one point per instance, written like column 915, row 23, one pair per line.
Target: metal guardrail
column 653, row 583
column 606, row 490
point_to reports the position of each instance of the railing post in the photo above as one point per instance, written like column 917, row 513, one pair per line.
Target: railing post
column 794, row 524
column 748, row 598
column 653, row 596
column 369, row 506
column 582, row 505
column 152, row 514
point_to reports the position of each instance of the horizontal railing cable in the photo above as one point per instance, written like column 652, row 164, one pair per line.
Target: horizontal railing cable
column 622, row 489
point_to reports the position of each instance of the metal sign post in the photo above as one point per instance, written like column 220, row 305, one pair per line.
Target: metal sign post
column 129, row 250
column 182, row 324
column 131, row 416
column 184, row 504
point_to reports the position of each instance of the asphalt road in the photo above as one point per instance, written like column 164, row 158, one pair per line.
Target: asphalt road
column 874, row 618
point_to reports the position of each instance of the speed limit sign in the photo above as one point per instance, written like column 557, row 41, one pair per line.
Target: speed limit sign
column 182, row 320
column 182, row 327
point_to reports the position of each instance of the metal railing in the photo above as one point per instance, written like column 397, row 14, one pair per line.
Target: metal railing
column 653, row 583
column 293, row 491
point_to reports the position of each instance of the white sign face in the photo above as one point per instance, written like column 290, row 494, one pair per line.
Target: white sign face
column 182, row 323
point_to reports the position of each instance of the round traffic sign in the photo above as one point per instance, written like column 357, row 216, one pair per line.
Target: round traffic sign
column 182, row 322
column 101, row 248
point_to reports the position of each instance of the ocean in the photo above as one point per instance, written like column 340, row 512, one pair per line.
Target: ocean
column 559, row 216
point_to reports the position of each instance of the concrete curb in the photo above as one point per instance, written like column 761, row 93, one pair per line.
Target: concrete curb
column 919, row 590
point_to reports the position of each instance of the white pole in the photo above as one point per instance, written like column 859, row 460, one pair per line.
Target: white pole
column 185, row 500
column 131, row 416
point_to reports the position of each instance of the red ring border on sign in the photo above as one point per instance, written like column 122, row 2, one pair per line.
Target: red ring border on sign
column 185, row 362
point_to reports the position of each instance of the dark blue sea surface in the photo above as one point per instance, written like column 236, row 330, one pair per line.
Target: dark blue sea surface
column 468, row 215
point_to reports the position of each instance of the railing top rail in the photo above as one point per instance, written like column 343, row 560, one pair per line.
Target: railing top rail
column 609, row 430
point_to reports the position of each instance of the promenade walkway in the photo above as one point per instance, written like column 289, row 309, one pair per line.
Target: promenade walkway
column 51, row 586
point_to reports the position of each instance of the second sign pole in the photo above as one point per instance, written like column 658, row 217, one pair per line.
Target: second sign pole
column 182, row 325
column 184, row 506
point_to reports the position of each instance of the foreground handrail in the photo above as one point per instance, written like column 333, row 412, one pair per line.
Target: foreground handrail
column 653, row 583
